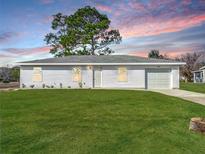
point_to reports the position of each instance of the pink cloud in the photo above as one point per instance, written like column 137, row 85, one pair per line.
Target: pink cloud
column 156, row 4
column 186, row 2
column 137, row 6
column 9, row 36
column 153, row 26
column 155, row 17
column 202, row 1
column 138, row 53
column 12, row 55
column 172, row 53
column 47, row 1
column 46, row 20
column 4, row 55
column 28, row 51
column 104, row 8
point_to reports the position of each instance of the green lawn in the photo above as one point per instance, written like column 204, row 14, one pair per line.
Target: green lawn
column 196, row 87
column 97, row 121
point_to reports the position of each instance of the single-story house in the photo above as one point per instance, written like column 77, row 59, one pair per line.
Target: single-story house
column 199, row 75
column 105, row 71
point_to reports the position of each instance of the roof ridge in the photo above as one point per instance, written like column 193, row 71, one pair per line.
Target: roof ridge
column 100, row 59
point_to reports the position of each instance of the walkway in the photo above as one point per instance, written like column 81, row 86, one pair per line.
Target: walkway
column 187, row 95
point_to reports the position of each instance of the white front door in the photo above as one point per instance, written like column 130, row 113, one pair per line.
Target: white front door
column 158, row 78
column 97, row 78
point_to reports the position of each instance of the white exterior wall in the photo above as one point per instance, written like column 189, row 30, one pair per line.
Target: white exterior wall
column 54, row 75
column 135, row 75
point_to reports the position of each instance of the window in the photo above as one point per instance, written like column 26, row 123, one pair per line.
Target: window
column 122, row 74
column 37, row 74
column 77, row 74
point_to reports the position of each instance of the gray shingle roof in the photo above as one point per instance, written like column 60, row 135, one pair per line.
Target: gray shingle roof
column 100, row 59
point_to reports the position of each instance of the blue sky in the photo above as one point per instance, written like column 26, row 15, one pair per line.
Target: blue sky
column 172, row 26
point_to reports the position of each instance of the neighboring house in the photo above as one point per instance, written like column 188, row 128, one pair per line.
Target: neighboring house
column 112, row 71
column 199, row 75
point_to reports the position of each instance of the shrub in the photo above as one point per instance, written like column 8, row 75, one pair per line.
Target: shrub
column 61, row 85
column 43, row 85
column 23, row 86
column 32, row 86
column 80, row 84
column 6, row 81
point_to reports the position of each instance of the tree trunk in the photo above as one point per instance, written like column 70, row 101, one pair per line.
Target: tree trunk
column 197, row 124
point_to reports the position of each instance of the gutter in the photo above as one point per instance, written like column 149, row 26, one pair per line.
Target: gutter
column 97, row 64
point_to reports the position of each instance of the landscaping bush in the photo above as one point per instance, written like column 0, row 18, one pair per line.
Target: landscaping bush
column 6, row 81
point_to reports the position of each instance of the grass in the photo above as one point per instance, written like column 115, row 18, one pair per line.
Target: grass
column 97, row 121
column 195, row 87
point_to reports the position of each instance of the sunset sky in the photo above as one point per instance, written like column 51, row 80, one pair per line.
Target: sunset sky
column 172, row 26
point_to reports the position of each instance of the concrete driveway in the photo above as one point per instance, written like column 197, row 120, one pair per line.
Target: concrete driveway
column 187, row 95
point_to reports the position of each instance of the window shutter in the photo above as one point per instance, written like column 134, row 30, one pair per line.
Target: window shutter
column 37, row 74
column 77, row 74
column 122, row 74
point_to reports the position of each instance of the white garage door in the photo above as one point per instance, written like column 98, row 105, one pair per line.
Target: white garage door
column 158, row 79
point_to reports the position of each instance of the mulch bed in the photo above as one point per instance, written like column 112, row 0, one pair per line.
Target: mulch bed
column 9, row 85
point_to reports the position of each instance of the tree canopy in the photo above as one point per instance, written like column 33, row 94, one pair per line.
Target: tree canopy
column 86, row 32
column 156, row 54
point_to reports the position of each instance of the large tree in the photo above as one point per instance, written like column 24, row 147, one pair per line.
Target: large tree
column 86, row 32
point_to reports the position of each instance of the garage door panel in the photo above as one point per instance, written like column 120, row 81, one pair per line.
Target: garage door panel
column 158, row 79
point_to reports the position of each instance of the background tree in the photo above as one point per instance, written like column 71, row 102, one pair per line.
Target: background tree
column 8, row 74
column 86, row 32
column 193, row 62
column 5, row 73
column 15, row 74
column 200, row 61
column 156, row 54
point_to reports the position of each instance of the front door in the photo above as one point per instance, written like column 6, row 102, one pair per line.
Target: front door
column 97, row 78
